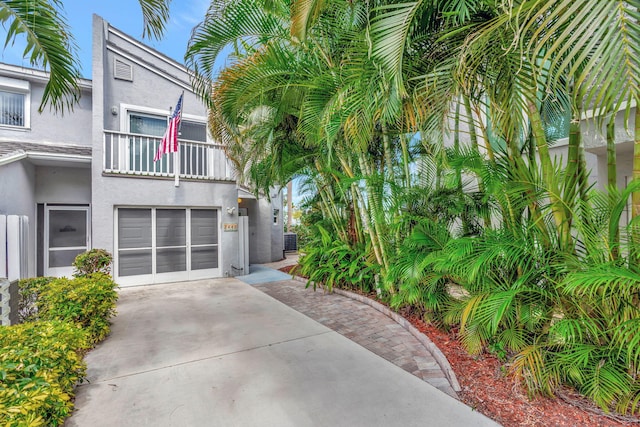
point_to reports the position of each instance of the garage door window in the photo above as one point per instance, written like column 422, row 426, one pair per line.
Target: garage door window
column 204, row 239
column 171, row 240
column 134, row 242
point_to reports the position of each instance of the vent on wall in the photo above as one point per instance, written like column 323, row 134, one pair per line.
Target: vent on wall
column 122, row 70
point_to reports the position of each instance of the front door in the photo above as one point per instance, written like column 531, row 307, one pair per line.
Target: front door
column 66, row 236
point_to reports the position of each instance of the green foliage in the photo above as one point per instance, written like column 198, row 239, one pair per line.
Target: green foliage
column 40, row 360
column 40, row 365
column 594, row 344
column 89, row 302
column 499, row 241
column 332, row 263
column 418, row 284
column 92, row 261
column 29, row 291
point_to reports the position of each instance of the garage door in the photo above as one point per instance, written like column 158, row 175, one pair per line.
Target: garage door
column 158, row 245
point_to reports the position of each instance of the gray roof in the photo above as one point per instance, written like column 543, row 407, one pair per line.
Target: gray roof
column 8, row 149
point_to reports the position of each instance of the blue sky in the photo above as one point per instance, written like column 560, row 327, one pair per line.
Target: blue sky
column 126, row 16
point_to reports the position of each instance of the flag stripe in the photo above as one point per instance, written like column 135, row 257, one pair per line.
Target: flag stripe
column 169, row 143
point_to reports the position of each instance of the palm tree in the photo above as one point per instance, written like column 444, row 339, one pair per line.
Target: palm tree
column 50, row 43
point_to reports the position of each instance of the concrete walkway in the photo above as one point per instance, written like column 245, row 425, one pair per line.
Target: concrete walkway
column 222, row 353
column 363, row 325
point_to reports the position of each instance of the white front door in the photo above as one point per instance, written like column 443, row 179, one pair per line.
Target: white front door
column 66, row 236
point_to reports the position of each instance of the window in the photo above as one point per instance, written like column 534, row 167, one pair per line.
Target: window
column 148, row 127
column 556, row 118
column 142, row 149
column 14, row 102
column 193, row 131
column 12, row 108
column 555, row 114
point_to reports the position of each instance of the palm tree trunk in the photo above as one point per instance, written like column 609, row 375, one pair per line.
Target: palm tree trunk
column 472, row 130
column 634, row 255
column 405, row 161
column 388, row 155
column 635, row 198
column 456, row 146
column 474, row 143
column 612, row 178
column 375, row 213
column 546, row 165
column 365, row 214
column 571, row 177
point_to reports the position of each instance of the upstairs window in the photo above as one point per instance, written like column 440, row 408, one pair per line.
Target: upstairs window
column 144, row 124
column 193, row 131
column 14, row 103
column 147, row 129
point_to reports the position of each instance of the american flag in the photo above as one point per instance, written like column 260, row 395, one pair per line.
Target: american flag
column 169, row 143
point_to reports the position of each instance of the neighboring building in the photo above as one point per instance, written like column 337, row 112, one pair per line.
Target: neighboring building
column 595, row 145
column 87, row 179
column 594, row 142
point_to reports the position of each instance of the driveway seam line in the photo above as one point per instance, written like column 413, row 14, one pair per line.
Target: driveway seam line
column 205, row 358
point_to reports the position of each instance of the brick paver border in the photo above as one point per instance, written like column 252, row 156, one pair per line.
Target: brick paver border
column 440, row 358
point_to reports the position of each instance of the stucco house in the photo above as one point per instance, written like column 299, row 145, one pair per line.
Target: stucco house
column 87, row 179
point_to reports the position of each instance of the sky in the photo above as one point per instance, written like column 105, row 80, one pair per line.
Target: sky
column 126, row 16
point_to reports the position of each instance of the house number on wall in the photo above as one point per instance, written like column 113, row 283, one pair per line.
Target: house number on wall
column 230, row 227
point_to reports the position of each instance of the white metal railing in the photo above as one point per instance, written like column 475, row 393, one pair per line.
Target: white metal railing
column 132, row 154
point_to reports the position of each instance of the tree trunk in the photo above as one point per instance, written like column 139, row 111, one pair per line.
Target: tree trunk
column 635, row 198
column 474, row 143
column 546, row 165
column 634, row 255
column 612, row 178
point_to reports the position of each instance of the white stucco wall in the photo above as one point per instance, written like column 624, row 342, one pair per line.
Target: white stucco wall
column 63, row 185
column 157, row 84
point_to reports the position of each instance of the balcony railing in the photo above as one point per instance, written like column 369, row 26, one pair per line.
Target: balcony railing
column 131, row 154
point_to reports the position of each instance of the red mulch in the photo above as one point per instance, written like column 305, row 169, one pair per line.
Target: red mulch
column 488, row 390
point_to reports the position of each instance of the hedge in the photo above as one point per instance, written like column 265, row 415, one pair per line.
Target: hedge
column 40, row 363
column 41, row 360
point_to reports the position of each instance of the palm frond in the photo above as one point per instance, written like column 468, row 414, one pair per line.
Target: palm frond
column 155, row 15
column 49, row 45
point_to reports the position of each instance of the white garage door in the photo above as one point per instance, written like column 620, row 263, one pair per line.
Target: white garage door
column 159, row 245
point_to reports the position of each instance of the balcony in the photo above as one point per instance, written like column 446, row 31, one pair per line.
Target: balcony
column 130, row 154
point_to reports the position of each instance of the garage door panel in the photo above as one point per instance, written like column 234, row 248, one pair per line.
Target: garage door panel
column 171, row 259
column 204, row 226
column 134, row 228
column 204, row 257
column 134, row 262
column 171, row 227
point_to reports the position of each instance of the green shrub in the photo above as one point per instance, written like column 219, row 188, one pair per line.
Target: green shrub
column 87, row 301
column 93, row 261
column 39, row 367
column 28, row 290
column 332, row 263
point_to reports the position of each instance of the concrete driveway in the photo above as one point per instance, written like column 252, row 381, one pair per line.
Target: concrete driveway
column 221, row 353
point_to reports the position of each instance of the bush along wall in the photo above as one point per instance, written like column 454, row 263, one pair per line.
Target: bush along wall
column 41, row 359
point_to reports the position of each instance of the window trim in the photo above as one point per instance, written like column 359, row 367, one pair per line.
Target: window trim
column 22, row 87
column 126, row 109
